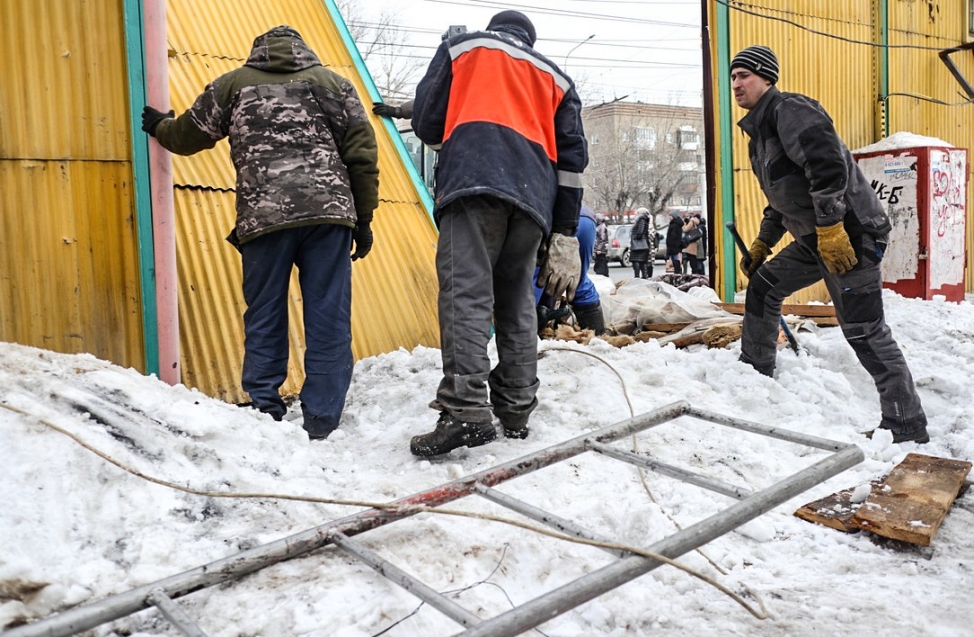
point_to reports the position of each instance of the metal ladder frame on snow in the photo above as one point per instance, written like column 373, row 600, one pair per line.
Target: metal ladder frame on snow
column 521, row 618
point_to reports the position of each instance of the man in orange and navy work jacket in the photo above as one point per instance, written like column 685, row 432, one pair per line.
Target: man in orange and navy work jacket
column 507, row 122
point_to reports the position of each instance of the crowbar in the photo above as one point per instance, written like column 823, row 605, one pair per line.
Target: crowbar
column 792, row 341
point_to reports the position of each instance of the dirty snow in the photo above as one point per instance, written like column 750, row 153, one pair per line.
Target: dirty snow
column 78, row 528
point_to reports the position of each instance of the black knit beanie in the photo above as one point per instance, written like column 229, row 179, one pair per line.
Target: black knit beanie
column 759, row 60
column 514, row 19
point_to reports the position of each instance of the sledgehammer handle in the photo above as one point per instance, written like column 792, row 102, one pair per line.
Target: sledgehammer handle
column 739, row 240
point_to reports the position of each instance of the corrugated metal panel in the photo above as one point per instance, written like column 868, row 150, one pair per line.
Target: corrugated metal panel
column 393, row 290
column 68, row 279
column 844, row 77
column 920, row 72
column 68, row 248
column 802, row 55
column 63, row 90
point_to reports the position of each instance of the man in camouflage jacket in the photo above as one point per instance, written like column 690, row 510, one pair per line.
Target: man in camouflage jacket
column 307, row 186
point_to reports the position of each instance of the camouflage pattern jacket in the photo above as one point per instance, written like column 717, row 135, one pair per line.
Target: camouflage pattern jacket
column 300, row 140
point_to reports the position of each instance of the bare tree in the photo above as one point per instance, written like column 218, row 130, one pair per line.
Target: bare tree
column 641, row 155
column 382, row 43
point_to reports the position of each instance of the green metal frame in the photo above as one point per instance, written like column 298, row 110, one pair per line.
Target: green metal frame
column 726, row 170
column 375, row 96
column 135, row 55
column 884, row 63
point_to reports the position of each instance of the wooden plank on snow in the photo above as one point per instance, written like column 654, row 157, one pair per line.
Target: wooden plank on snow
column 910, row 504
column 810, row 311
column 834, row 510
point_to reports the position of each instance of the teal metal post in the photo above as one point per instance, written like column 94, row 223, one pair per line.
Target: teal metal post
column 140, row 168
column 374, row 96
column 726, row 170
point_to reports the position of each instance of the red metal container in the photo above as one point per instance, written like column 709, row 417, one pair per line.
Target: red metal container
column 924, row 192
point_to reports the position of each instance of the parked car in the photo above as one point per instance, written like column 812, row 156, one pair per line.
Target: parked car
column 619, row 244
column 659, row 252
column 619, row 238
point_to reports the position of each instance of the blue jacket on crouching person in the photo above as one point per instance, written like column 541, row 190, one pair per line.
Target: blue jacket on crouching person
column 586, row 305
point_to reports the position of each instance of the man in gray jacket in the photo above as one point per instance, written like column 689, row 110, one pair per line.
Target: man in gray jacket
column 817, row 193
column 307, row 185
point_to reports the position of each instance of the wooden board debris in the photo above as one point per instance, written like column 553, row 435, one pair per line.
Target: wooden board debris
column 822, row 315
column 913, row 500
column 907, row 505
column 834, row 510
column 667, row 328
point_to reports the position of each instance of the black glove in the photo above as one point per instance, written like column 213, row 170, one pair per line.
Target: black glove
column 151, row 118
column 362, row 238
column 387, row 111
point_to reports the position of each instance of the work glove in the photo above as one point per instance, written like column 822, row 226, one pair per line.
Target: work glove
column 151, row 118
column 362, row 238
column 755, row 257
column 835, row 249
column 387, row 111
column 561, row 268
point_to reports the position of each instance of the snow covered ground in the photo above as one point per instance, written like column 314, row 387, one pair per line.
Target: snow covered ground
column 76, row 527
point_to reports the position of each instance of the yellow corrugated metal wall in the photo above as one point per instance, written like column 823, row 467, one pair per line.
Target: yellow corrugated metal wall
column 821, row 58
column 69, row 262
column 394, row 288
column 918, row 75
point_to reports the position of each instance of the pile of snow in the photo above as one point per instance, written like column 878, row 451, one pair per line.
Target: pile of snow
column 901, row 140
column 78, row 527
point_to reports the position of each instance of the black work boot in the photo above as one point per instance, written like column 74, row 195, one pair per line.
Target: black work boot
column 915, row 431
column 451, row 433
column 515, row 427
column 767, row 369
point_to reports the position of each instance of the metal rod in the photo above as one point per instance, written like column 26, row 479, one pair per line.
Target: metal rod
column 174, row 613
column 550, row 605
column 548, row 519
column 392, row 572
column 771, row 432
column 81, row 618
column 690, row 477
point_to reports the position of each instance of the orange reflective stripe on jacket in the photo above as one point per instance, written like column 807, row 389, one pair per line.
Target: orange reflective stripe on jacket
column 517, row 93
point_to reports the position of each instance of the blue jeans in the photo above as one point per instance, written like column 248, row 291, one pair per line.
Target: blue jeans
column 321, row 254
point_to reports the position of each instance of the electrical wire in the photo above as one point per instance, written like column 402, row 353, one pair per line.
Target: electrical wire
column 495, row 4
column 411, row 509
column 730, row 5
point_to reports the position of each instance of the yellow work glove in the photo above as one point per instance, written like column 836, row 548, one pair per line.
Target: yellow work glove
column 756, row 255
column 835, row 249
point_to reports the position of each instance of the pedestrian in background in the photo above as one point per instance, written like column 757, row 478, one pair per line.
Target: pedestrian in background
column 640, row 245
column 674, row 243
column 508, row 124
column 695, row 244
column 307, row 186
column 601, row 250
column 818, row 194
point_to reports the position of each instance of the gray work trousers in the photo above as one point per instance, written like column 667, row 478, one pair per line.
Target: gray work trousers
column 858, row 299
column 485, row 260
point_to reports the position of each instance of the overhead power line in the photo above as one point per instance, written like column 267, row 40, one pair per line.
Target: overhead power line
column 566, row 13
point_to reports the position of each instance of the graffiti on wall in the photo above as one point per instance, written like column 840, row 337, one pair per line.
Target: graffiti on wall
column 894, row 180
column 948, row 181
